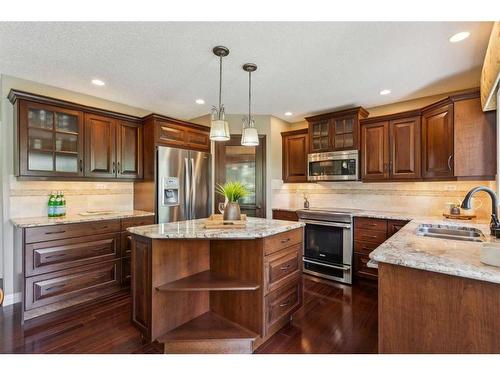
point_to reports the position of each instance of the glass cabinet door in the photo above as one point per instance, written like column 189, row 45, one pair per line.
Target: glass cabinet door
column 343, row 137
column 320, row 136
column 50, row 140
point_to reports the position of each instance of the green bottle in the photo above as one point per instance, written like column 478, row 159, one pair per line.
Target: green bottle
column 51, row 206
column 63, row 204
column 58, row 206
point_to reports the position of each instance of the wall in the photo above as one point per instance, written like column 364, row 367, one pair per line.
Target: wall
column 29, row 198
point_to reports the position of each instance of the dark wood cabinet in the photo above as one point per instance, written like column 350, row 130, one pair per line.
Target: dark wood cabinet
column 71, row 265
column 437, row 142
column 295, row 146
column 100, row 146
column 474, row 140
column 369, row 233
column 285, row 215
column 335, row 131
column 390, row 147
column 48, row 140
column 129, row 153
column 404, row 149
column 375, row 151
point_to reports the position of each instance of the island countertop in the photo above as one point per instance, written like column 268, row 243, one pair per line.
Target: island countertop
column 451, row 257
column 194, row 229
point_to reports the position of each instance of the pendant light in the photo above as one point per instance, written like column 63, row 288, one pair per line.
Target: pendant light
column 249, row 136
column 219, row 130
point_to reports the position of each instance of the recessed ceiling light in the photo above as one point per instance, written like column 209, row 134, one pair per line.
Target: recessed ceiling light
column 200, row 101
column 288, row 113
column 98, row 82
column 458, row 37
column 385, row 92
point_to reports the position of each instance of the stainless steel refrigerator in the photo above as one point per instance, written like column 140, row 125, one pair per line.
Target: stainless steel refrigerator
column 184, row 184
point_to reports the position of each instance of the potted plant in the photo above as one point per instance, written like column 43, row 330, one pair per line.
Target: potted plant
column 232, row 191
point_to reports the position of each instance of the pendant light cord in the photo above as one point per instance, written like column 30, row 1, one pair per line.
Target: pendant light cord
column 220, row 85
column 249, row 98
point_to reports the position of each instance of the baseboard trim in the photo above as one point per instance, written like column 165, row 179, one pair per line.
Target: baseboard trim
column 11, row 299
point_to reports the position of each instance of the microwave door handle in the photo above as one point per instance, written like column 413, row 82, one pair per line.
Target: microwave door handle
column 343, row 268
column 327, row 223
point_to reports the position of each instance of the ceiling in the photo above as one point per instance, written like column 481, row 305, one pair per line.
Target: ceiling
column 305, row 68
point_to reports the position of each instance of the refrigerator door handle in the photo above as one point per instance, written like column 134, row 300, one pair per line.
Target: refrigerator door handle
column 187, row 189
column 193, row 190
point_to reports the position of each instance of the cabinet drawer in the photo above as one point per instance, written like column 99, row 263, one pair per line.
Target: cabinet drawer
column 137, row 221
column 366, row 235
column 50, row 256
column 126, row 244
column 93, row 280
column 364, row 247
column 362, row 270
column 372, row 224
column 281, row 303
column 282, row 241
column 282, row 266
column 56, row 232
column 285, row 215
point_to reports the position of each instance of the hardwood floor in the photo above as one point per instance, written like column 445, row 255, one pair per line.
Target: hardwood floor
column 335, row 318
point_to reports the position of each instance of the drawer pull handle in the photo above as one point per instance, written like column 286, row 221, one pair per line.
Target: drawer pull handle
column 56, row 232
column 366, row 248
column 285, row 240
column 55, row 287
column 55, row 256
column 285, row 303
column 285, row 268
column 366, row 236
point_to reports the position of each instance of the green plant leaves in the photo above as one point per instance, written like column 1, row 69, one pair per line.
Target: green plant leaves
column 232, row 190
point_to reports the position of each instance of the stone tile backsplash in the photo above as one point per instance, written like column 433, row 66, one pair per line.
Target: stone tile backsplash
column 419, row 198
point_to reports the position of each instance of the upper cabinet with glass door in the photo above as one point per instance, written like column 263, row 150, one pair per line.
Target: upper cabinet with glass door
column 50, row 140
column 335, row 131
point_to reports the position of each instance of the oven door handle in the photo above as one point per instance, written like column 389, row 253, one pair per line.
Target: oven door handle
column 327, row 223
column 343, row 268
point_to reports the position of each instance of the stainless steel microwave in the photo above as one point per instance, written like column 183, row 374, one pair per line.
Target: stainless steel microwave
column 333, row 166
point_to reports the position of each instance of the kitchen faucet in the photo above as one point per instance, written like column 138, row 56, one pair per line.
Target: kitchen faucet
column 466, row 204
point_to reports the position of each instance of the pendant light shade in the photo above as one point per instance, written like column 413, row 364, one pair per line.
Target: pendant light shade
column 249, row 135
column 219, row 129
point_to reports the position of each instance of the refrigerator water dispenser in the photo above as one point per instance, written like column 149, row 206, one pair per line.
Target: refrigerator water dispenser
column 170, row 191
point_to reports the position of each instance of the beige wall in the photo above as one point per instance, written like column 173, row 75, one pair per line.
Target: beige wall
column 29, row 198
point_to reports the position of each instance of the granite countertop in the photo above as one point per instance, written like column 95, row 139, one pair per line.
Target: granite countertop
column 451, row 257
column 193, row 229
column 43, row 220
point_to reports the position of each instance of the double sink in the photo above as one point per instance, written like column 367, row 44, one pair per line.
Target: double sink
column 450, row 232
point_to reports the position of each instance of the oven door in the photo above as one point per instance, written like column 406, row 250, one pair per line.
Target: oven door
column 328, row 242
column 328, row 167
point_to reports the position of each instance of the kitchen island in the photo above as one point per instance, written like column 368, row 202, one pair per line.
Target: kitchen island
column 200, row 290
column 435, row 295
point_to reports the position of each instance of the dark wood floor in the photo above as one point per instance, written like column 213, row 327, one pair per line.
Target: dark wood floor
column 335, row 318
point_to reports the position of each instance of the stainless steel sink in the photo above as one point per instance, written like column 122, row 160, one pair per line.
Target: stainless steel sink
column 450, row 232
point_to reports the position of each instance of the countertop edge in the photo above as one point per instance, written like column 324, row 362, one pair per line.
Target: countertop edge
column 43, row 222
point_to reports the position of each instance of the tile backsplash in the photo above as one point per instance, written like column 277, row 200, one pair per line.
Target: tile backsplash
column 419, row 198
column 29, row 198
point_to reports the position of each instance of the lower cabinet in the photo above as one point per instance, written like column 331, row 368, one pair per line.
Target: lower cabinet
column 368, row 235
column 285, row 215
column 75, row 264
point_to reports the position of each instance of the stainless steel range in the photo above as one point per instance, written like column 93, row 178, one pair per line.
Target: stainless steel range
column 328, row 243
